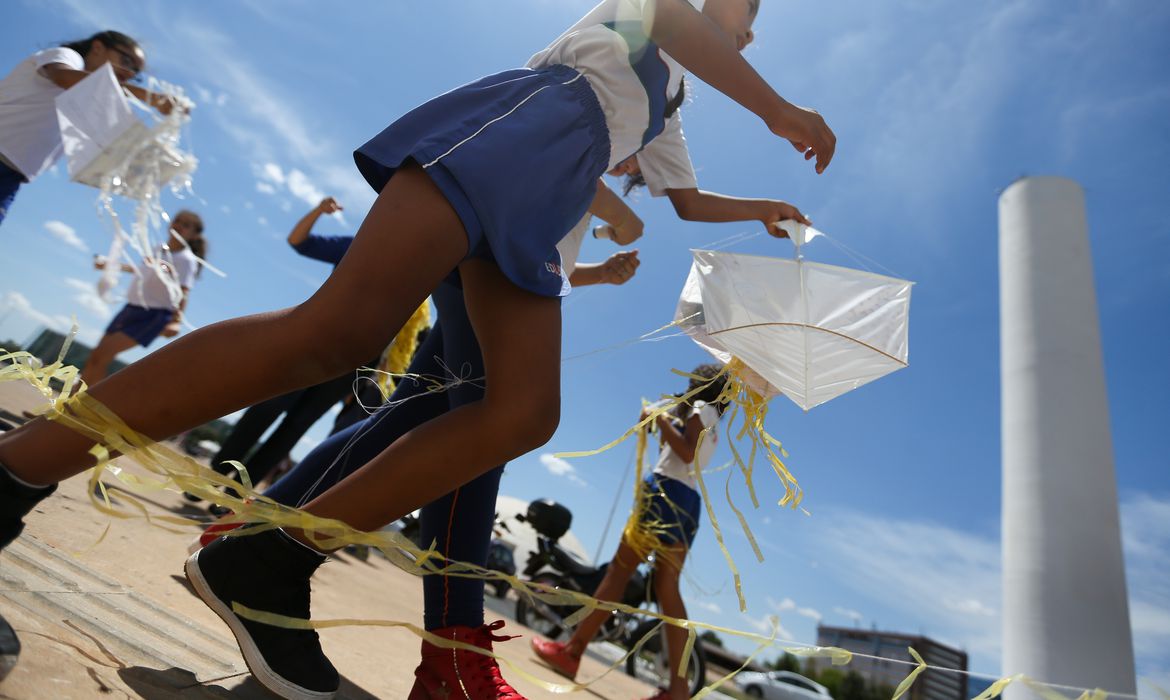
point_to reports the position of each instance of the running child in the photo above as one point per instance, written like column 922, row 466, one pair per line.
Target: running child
column 152, row 308
column 668, row 511
column 445, row 204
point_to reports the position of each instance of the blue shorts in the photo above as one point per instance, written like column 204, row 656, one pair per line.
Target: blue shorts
column 140, row 323
column 673, row 510
column 517, row 155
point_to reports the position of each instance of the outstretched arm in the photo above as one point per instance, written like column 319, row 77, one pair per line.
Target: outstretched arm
column 302, row 229
column 697, row 205
column 100, row 263
column 65, row 77
column 695, row 42
column 618, row 269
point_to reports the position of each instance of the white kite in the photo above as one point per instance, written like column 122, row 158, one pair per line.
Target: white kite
column 109, row 147
column 809, row 331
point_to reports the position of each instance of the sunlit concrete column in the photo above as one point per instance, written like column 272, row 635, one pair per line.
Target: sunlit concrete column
column 1065, row 609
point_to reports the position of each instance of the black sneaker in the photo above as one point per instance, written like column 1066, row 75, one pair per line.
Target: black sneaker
column 9, row 648
column 267, row 572
column 17, row 499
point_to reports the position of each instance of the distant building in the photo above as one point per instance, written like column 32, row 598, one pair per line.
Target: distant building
column 931, row 685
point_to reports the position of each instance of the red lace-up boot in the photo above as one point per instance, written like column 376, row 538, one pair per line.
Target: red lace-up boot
column 458, row 674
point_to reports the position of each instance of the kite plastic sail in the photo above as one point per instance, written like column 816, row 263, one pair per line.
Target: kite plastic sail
column 109, row 147
column 809, row 331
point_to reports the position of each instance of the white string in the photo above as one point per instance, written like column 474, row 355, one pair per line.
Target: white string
column 859, row 258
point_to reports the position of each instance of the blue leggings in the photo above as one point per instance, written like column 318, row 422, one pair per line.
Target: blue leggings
column 460, row 523
column 10, row 182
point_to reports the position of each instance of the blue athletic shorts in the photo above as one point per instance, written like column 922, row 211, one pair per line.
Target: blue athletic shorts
column 140, row 323
column 517, row 154
column 673, row 509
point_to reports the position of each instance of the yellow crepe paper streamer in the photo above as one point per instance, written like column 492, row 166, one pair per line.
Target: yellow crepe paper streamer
column 176, row 472
column 397, row 356
column 913, row 675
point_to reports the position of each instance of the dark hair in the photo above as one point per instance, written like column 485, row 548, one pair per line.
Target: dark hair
column 704, row 374
column 193, row 216
column 109, row 38
column 198, row 244
column 633, row 182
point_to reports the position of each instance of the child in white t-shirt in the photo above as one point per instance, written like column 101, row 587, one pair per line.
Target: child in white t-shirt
column 668, row 509
column 156, row 298
column 30, row 139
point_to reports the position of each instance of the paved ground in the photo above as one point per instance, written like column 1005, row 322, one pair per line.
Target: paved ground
column 112, row 616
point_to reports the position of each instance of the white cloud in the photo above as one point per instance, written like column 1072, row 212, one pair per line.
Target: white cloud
column 18, row 303
column 66, row 234
column 789, row 604
column 707, row 605
column 265, row 188
column 262, row 220
column 87, row 296
column 272, row 173
column 764, row 626
column 559, row 467
column 1145, row 528
column 854, row 616
column 303, row 189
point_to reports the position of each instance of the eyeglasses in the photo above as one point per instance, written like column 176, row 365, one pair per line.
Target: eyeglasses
column 128, row 62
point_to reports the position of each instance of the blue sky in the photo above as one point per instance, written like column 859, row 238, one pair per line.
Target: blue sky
column 937, row 106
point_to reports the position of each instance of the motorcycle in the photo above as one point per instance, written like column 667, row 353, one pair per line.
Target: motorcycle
column 555, row 567
column 501, row 557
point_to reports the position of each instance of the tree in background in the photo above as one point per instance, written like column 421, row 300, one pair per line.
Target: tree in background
column 852, row 687
column 831, row 678
column 788, row 662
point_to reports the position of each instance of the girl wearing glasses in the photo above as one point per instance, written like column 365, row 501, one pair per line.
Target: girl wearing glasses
column 30, row 141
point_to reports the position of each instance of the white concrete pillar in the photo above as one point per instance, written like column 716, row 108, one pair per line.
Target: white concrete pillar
column 1065, row 609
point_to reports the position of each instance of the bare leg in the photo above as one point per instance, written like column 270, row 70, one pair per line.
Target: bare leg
column 232, row 364
column 667, row 568
column 98, row 362
column 617, row 575
column 519, row 335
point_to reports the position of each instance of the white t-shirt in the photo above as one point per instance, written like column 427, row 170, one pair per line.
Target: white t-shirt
column 670, row 464
column 570, row 245
column 148, row 288
column 633, row 79
column 29, row 136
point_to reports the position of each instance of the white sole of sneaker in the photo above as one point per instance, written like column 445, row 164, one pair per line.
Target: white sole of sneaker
column 252, row 656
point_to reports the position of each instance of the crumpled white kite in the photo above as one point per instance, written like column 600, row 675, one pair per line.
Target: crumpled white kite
column 108, row 147
column 809, row 331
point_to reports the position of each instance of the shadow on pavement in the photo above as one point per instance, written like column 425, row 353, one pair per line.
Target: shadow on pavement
column 171, row 683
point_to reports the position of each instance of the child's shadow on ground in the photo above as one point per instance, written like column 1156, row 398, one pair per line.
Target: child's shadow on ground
column 179, row 683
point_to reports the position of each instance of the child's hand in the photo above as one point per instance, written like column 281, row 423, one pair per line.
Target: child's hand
column 99, row 262
column 329, row 205
column 808, row 133
column 620, row 267
column 165, row 104
column 777, row 211
column 172, row 329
